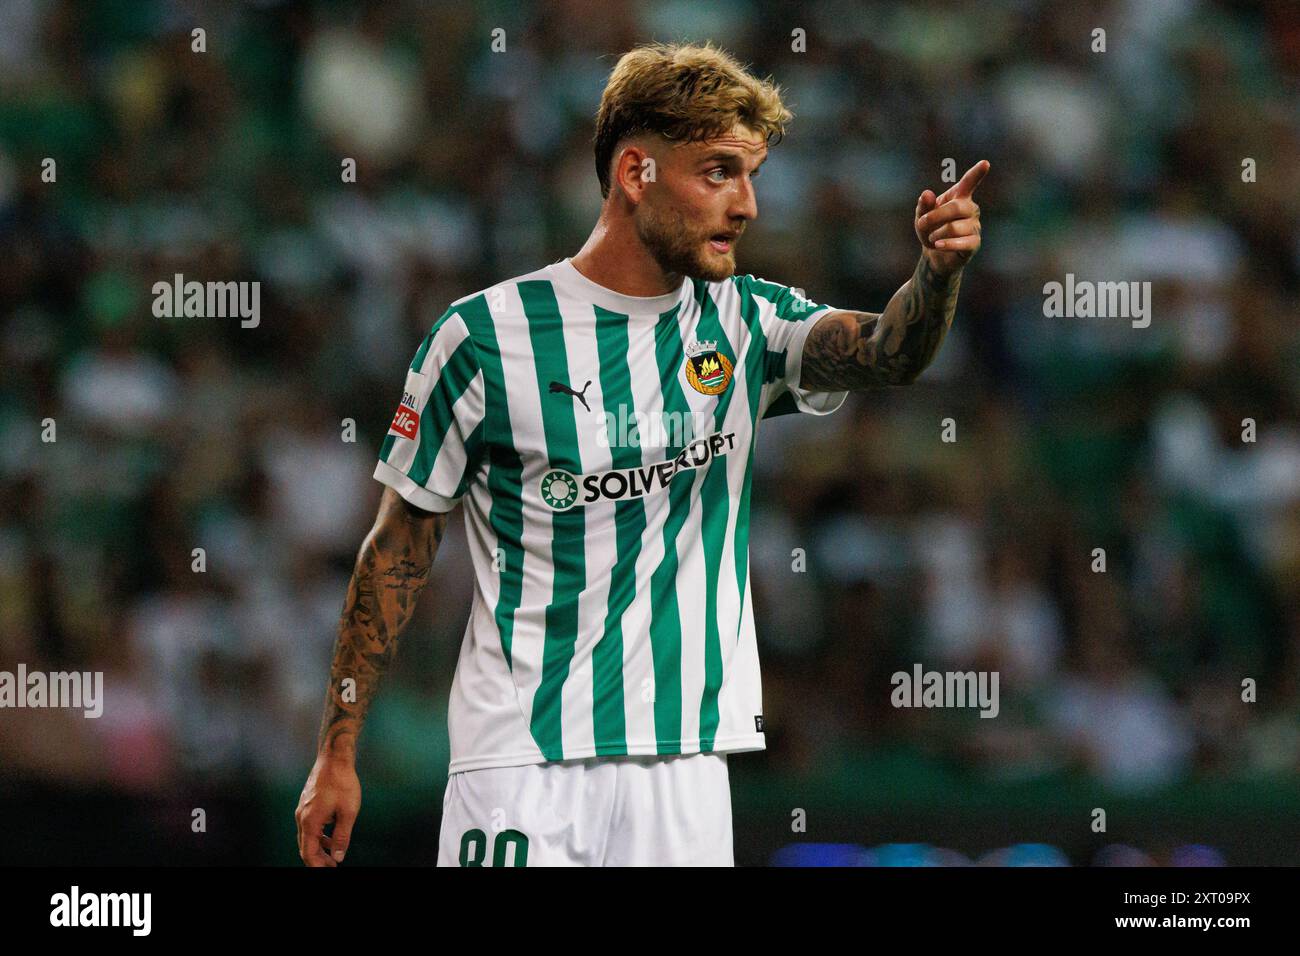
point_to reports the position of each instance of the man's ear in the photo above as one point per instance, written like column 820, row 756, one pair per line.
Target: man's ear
column 634, row 169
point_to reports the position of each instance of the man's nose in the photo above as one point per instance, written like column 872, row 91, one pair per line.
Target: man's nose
column 744, row 204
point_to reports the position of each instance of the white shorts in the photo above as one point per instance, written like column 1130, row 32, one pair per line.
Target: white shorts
column 603, row 811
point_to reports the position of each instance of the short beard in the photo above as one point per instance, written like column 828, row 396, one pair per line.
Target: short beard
column 676, row 249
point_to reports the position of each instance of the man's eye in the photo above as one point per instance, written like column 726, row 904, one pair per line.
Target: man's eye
column 719, row 171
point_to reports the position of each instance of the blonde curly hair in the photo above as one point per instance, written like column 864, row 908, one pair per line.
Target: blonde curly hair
column 683, row 92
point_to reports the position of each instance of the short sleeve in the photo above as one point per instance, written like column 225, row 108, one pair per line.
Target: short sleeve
column 787, row 316
column 434, row 446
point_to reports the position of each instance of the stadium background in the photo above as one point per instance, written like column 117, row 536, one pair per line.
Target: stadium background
column 1120, row 690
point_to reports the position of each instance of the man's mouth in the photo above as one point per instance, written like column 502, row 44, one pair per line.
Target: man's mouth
column 723, row 241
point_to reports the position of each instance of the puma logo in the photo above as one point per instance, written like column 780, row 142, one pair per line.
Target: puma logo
column 580, row 396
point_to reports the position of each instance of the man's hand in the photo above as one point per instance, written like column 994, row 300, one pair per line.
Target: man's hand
column 332, row 795
column 861, row 350
column 949, row 225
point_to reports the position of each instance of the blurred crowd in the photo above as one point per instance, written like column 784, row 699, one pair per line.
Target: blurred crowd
column 1107, row 515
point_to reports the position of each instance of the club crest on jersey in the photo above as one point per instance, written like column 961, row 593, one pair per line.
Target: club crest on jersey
column 406, row 422
column 707, row 369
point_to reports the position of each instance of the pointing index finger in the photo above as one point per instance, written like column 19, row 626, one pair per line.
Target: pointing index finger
column 966, row 185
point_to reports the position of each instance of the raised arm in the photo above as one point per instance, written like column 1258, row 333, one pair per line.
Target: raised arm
column 392, row 568
column 861, row 350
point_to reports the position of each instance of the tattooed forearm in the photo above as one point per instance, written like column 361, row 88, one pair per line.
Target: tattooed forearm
column 858, row 350
column 392, row 568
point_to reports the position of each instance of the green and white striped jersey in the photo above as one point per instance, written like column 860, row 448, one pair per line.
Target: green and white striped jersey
column 603, row 444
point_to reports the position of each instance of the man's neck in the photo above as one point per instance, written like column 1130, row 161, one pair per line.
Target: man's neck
column 614, row 257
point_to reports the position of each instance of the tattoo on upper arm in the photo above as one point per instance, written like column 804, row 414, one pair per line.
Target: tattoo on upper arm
column 859, row 350
column 841, row 348
column 392, row 568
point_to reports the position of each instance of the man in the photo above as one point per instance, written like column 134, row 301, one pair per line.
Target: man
column 610, row 661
